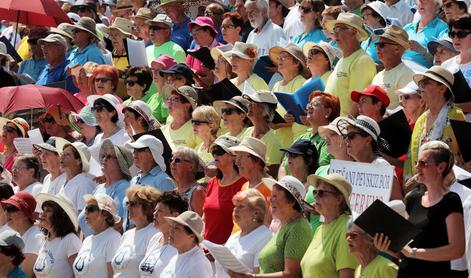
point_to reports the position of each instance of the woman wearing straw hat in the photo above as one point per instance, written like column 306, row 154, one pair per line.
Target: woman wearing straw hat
column 159, row 250
column 310, row 15
column 434, row 124
column 332, row 194
column 85, row 39
column 133, row 244
column 85, row 124
column 223, row 68
column 94, row 257
column 54, row 122
column 138, row 118
column 11, row 129
column 185, row 236
column 58, row 222
column 234, row 115
column 205, row 122
column 320, row 59
column 20, row 215
column 118, row 32
column 242, row 58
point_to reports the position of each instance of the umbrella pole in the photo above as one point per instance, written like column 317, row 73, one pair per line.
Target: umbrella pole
column 16, row 31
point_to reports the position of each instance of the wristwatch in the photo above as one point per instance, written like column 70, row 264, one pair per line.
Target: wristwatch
column 414, row 252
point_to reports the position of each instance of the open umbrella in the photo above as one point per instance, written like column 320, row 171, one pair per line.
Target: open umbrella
column 17, row 98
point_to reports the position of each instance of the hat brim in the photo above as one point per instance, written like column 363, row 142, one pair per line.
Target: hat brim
column 60, row 32
column 216, row 53
column 45, row 146
column 269, row 182
column 89, row 198
column 65, row 205
column 219, row 105
column 244, row 149
column 420, row 76
column 5, row 121
column 404, row 44
column 85, row 29
column 107, row 144
column 60, row 145
column 108, row 29
column 292, row 151
column 179, row 221
column 275, row 52
column 169, row 90
column 158, row 158
column 331, row 24
column 168, row 3
column 313, row 180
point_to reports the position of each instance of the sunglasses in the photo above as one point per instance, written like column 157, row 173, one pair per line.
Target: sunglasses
column 315, row 51
column 383, row 44
column 321, row 193
column 218, row 151
column 227, row 26
column 48, row 120
column 459, row 34
column 132, row 203
column 305, row 10
column 156, row 28
column 229, row 111
column 10, row 208
column 76, row 30
column 98, row 108
column 91, row 208
column 179, row 160
column 339, row 28
column 32, row 41
column 422, row 164
column 353, row 134
column 140, row 150
column 9, row 129
column 130, row 83
column 198, row 122
column 79, row 122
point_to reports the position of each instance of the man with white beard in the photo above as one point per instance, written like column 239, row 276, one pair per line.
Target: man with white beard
column 265, row 34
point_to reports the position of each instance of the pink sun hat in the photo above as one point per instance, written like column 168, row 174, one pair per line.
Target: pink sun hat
column 203, row 21
column 165, row 61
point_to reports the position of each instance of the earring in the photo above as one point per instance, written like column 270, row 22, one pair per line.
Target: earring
column 326, row 116
column 254, row 220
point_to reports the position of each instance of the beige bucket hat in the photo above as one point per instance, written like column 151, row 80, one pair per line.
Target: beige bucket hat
column 335, row 180
column 397, row 35
column 350, row 19
column 191, row 220
column 253, row 146
column 121, row 24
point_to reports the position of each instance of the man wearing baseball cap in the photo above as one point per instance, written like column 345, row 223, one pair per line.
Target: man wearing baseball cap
column 160, row 32
column 372, row 102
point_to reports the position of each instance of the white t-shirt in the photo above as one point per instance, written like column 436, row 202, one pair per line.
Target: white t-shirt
column 34, row 188
column 467, row 230
column 191, row 264
column 131, row 251
column 156, row 258
column 52, row 261
column 246, row 248
column 401, row 11
column 270, row 35
column 96, row 252
column 53, row 186
column 33, row 238
column 392, row 80
column 464, row 193
column 453, row 66
column 293, row 26
column 77, row 187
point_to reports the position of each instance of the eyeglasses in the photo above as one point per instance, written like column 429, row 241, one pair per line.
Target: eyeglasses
column 102, row 80
column 140, row 150
column 315, row 51
column 48, row 120
column 229, row 111
column 194, row 31
column 130, row 83
column 174, row 99
column 422, row 163
column 339, row 28
column 292, row 155
column 405, row 97
column 198, row 122
column 366, row 15
column 283, row 57
column 107, row 157
column 10, row 208
column 177, row 160
column 98, row 108
column 76, row 30
column 9, row 129
column 91, row 208
column 353, row 134
column 424, row 82
column 132, row 203
column 459, row 34
column 32, row 41
column 383, row 44
column 305, row 10
column 79, row 122
column 211, row 13
column 321, row 193
column 156, row 28
column 218, row 151
column 227, row 26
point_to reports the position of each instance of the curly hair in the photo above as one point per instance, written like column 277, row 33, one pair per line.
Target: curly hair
column 147, row 196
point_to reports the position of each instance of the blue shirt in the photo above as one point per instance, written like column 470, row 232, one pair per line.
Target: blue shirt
column 435, row 29
column 315, row 36
column 32, row 67
column 90, row 53
column 59, row 73
column 181, row 34
column 17, row 273
column 370, row 49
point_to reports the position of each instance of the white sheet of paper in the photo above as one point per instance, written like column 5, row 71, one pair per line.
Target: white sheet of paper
column 35, row 136
column 225, row 257
column 136, row 53
column 23, row 145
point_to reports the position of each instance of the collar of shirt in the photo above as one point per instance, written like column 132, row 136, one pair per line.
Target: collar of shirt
column 61, row 65
column 87, row 48
column 154, row 172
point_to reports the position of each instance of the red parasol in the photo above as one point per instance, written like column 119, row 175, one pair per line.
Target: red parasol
column 33, row 12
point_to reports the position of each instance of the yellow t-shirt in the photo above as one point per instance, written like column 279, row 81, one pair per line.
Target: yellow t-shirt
column 379, row 267
column 287, row 134
column 324, row 77
column 204, row 153
column 352, row 73
column 239, row 136
column 182, row 137
column 392, row 80
column 328, row 251
column 273, row 155
column 254, row 80
column 121, row 63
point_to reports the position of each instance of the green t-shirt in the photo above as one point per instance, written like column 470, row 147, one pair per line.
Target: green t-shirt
column 157, row 104
column 290, row 242
column 170, row 48
column 380, row 267
column 328, row 252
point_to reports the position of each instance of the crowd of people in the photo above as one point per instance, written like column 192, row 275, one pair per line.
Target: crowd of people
column 165, row 160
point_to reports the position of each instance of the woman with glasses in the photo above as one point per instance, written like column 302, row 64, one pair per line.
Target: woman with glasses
column 138, row 118
column 118, row 32
column 218, row 205
column 234, row 115
column 320, row 59
column 11, row 129
column 205, row 122
column 412, row 103
column 58, row 222
column 374, row 17
column 94, row 257
column 311, row 17
column 330, row 13
column 185, row 166
column 160, row 251
column 327, row 254
column 104, row 80
column 222, row 68
column 133, row 244
column 27, row 173
column 86, row 40
column 138, row 81
column 55, row 123
column 231, row 27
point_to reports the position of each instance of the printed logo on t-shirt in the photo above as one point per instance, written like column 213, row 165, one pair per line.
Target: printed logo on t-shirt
column 148, row 264
column 82, row 262
column 44, row 262
column 122, row 257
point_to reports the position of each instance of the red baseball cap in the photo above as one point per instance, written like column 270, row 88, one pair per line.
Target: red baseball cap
column 23, row 201
column 374, row 91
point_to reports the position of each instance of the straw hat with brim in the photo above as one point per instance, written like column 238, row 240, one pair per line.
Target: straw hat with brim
column 436, row 73
column 351, row 20
column 163, row 3
column 291, row 184
column 335, row 180
column 123, row 155
column 144, row 13
column 225, row 142
column 86, row 24
column 246, row 51
column 86, row 115
column 63, row 202
column 191, row 220
column 62, row 29
column 332, row 126
column 253, row 146
column 51, row 144
column 81, row 148
column 121, row 24
column 155, row 145
column 237, row 101
column 19, row 123
column 104, row 202
column 220, row 51
column 122, row 5
column 396, row 34
column 261, row 97
column 291, row 49
column 188, row 92
column 332, row 54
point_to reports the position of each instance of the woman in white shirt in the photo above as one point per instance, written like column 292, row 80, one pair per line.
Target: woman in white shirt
column 50, row 161
column 26, row 174
column 94, row 258
column 185, row 236
column 132, row 248
column 159, row 252
column 249, row 214
column 61, row 244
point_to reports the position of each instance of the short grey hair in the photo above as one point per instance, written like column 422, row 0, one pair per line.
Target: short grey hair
column 192, row 156
column 262, row 5
column 268, row 111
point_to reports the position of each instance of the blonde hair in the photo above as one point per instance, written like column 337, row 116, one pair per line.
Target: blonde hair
column 255, row 199
column 209, row 114
column 147, row 196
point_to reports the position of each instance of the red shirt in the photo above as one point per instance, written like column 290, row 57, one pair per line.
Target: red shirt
column 218, row 209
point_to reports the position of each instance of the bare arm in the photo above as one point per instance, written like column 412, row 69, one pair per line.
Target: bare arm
column 71, row 259
column 292, row 270
column 346, row 273
column 28, row 264
column 197, row 200
column 110, row 270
